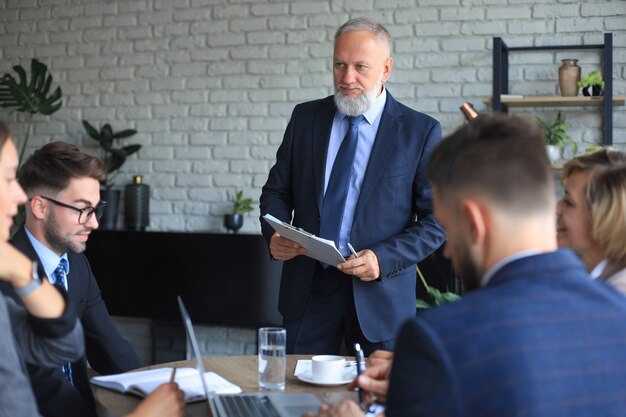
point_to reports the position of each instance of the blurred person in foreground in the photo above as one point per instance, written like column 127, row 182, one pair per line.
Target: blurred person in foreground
column 534, row 336
column 45, row 332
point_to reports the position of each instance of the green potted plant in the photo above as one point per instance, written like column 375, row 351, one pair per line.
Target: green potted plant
column 113, row 157
column 594, row 80
column 36, row 96
column 241, row 206
column 437, row 297
column 30, row 97
column 556, row 137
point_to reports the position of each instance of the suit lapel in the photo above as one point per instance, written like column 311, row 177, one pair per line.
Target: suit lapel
column 386, row 140
column 322, row 125
column 21, row 241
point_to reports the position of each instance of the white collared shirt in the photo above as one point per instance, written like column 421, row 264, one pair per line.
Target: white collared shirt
column 597, row 271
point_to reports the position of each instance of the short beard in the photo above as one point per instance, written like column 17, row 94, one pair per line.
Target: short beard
column 357, row 105
column 60, row 243
column 467, row 270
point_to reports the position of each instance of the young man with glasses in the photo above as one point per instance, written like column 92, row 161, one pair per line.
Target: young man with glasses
column 63, row 188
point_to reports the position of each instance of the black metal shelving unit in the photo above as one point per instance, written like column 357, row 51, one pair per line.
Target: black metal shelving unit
column 501, row 75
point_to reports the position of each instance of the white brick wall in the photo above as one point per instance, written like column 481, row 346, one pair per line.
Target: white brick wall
column 210, row 84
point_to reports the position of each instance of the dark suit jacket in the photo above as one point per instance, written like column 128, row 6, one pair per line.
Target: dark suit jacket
column 106, row 350
column 541, row 339
column 393, row 215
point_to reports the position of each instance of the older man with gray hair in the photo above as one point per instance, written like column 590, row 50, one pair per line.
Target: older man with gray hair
column 352, row 169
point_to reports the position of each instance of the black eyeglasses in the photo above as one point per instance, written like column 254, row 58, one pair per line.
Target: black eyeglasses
column 84, row 213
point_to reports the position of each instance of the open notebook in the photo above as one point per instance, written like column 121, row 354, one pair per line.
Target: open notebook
column 142, row 383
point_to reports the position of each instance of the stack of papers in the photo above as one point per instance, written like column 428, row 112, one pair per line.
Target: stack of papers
column 142, row 383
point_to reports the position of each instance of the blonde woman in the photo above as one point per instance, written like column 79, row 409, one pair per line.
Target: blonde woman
column 606, row 194
column 574, row 222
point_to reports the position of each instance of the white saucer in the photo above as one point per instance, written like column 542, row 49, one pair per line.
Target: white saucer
column 307, row 377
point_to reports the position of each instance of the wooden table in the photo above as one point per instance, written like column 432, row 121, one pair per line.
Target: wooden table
column 240, row 370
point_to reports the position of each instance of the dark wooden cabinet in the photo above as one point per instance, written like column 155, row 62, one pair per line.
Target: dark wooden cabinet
column 223, row 279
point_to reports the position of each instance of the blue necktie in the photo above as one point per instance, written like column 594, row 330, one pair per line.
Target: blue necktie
column 58, row 276
column 334, row 201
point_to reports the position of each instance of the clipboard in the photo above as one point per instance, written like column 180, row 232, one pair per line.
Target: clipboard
column 318, row 248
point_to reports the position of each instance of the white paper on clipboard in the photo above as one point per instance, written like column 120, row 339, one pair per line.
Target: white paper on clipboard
column 323, row 250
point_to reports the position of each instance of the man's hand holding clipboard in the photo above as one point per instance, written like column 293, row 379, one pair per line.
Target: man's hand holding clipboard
column 283, row 247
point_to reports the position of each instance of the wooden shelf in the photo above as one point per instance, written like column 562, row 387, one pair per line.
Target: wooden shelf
column 554, row 101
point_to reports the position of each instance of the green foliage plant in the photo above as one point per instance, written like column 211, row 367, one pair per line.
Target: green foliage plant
column 592, row 78
column 556, row 133
column 437, row 297
column 242, row 205
column 593, row 148
column 30, row 97
column 112, row 155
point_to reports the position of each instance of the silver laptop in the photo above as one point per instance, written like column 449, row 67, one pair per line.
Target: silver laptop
column 248, row 404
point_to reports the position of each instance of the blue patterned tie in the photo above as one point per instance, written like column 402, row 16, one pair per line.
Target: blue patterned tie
column 334, row 201
column 58, row 276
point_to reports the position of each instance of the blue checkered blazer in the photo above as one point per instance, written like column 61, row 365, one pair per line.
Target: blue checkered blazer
column 541, row 339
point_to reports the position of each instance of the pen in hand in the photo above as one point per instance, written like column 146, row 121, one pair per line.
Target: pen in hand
column 352, row 250
column 173, row 375
column 360, row 360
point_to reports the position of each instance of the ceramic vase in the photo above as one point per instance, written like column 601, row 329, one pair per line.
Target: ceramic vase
column 569, row 76
column 137, row 205
column 554, row 153
column 233, row 222
column 109, row 218
column 596, row 91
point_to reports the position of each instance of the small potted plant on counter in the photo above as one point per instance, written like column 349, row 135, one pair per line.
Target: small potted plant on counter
column 595, row 81
column 241, row 206
column 556, row 137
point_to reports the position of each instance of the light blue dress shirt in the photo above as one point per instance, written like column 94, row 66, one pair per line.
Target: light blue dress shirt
column 367, row 136
column 49, row 259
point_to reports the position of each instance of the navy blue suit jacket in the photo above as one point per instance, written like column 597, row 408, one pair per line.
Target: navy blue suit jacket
column 393, row 215
column 541, row 339
column 107, row 351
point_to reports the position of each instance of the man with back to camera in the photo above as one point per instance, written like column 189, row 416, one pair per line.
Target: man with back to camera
column 537, row 337
column 352, row 169
column 63, row 188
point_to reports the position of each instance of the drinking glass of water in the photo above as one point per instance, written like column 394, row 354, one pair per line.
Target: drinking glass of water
column 272, row 359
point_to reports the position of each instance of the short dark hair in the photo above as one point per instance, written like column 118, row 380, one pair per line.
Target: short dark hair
column 500, row 157
column 55, row 164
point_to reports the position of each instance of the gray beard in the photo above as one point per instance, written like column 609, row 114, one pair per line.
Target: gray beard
column 357, row 105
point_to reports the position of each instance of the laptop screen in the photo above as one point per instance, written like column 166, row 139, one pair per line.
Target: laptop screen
column 191, row 336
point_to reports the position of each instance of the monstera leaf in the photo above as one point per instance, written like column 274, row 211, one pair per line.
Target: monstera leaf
column 31, row 96
column 113, row 157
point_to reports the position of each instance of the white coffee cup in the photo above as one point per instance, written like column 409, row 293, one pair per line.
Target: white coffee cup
column 328, row 368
